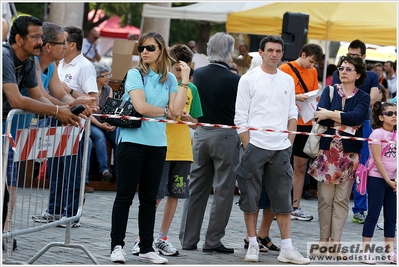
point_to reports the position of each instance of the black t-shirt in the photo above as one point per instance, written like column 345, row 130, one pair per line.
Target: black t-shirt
column 15, row 71
column 217, row 89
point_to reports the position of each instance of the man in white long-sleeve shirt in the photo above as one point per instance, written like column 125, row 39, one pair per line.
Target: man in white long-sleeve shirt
column 266, row 99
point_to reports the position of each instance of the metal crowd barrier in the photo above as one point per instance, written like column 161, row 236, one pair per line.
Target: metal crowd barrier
column 47, row 159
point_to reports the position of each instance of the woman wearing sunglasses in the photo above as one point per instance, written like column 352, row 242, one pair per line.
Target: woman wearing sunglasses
column 141, row 151
column 335, row 166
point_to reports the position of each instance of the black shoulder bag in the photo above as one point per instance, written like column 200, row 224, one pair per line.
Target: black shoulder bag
column 117, row 106
column 299, row 77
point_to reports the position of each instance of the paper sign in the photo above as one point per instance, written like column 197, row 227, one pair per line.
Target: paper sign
column 309, row 105
column 346, row 129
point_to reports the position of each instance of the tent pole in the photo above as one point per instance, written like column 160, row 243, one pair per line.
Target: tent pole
column 326, row 57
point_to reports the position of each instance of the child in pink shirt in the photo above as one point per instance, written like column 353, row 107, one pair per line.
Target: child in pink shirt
column 381, row 184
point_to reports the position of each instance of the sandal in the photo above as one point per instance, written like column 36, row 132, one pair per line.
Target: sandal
column 262, row 248
column 267, row 240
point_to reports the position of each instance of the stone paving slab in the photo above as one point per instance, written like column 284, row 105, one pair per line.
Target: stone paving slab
column 94, row 234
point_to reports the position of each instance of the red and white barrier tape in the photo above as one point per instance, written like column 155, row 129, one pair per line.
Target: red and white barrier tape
column 12, row 142
column 237, row 127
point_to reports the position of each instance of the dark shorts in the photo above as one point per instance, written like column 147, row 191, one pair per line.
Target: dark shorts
column 277, row 170
column 300, row 141
column 174, row 179
column 264, row 201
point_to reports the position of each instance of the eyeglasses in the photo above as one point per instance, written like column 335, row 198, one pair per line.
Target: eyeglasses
column 56, row 43
column 389, row 113
column 36, row 37
column 347, row 69
column 150, row 48
column 354, row 55
column 106, row 76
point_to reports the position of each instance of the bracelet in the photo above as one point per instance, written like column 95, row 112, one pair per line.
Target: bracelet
column 185, row 85
column 70, row 92
column 56, row 111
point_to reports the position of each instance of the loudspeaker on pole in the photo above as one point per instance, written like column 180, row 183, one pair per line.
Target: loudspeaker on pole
column 294, row 34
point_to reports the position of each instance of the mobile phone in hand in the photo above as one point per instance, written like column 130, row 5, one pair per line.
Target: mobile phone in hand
column 78, row 109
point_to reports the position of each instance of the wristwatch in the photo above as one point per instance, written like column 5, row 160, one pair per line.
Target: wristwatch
column 70, row 92
column 166, row 111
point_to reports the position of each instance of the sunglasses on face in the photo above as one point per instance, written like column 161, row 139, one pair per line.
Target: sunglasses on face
column 389, row 113
column 347, row 69
column 150, row 48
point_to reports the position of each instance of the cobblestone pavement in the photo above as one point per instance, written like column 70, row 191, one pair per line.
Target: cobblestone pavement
column 94, row 234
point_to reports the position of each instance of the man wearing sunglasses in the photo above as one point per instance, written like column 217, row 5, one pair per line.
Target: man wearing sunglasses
column 90, row 47
column 370, row 86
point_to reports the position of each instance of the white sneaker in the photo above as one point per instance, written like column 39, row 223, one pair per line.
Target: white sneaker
column 46, row 217
column 366, row 258
column 252, row 253
column 152, row 257
column 136, row 247
column 118, row 254
column 292, row 256
column 75, row 224
column 390, row 258
column 165, row 247
column 300, row 215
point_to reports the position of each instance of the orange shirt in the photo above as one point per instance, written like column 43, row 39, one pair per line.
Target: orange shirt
column 309, row 76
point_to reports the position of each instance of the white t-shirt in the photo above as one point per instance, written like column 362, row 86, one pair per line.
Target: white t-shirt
column 88, row 49
column 79, row 75
column 392, row 86
column 266, row 101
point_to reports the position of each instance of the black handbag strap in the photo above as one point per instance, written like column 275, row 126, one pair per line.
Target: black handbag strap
column 121, row 90
column 299, row 77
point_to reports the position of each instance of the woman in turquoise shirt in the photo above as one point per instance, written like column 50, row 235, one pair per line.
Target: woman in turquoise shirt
column 141, row 151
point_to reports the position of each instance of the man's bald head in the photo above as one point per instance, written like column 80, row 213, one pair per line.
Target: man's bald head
column 93, row 35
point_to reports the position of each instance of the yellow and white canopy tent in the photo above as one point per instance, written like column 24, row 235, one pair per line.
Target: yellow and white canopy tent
column 371, row 22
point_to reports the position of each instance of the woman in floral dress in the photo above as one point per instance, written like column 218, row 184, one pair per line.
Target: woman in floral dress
column 335, row 166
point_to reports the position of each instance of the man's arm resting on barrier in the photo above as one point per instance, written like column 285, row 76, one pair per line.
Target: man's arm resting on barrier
column 38, row 104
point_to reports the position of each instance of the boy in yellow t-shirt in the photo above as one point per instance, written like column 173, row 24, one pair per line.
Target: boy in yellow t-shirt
column 179, row 155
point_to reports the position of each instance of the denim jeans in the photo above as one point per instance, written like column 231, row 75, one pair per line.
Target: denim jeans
column 65, row 176
column 99, row 138
column 380, row 194
column 137, row 164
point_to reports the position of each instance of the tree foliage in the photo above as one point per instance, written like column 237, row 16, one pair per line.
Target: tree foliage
column 33, row 8
column 181, row 31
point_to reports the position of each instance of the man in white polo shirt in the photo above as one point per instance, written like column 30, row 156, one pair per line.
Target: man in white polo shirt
column 76, row 72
